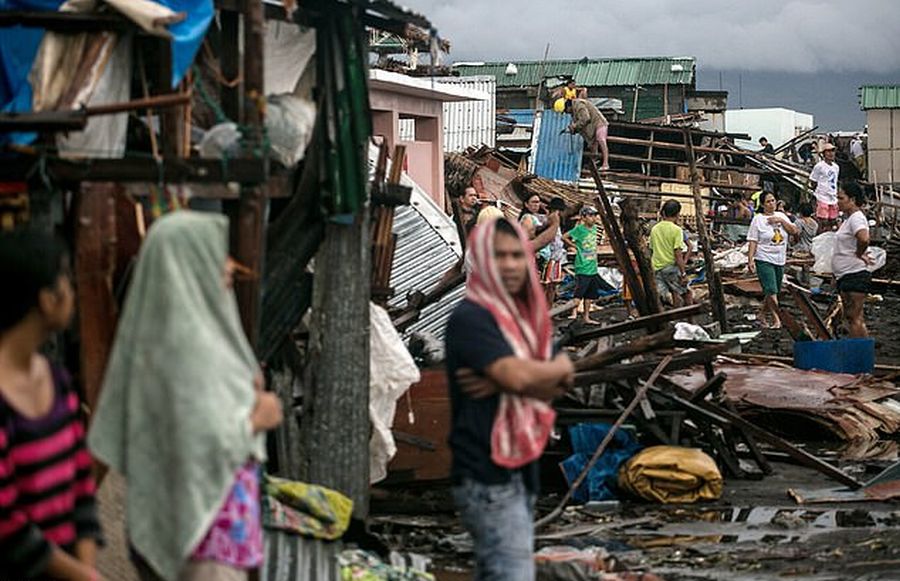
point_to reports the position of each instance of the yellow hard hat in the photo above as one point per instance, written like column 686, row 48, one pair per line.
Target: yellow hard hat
column 559, row 105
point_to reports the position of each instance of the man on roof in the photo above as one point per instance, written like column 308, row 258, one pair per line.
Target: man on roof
column 590, row 123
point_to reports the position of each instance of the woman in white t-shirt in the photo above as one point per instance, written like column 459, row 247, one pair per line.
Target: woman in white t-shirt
column 850, row 261
column 768, row 238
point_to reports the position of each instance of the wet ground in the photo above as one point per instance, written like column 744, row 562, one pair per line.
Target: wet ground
column 754, row 532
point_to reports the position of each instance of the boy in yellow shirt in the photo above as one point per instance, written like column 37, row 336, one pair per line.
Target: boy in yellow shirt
column 669, row 254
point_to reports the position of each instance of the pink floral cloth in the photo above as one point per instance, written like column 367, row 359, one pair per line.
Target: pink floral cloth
column 235, row 537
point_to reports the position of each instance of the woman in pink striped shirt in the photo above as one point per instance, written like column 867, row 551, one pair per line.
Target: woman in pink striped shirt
column 48, row 520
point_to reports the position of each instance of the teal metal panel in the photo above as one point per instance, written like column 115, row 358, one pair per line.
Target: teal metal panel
column 592, row 72
column 879, row 97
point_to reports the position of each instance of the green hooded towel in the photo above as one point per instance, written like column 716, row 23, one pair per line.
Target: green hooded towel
column 174, row 412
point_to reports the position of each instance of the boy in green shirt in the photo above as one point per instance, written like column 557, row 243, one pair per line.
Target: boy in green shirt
column 669, row 255
column 583, row 238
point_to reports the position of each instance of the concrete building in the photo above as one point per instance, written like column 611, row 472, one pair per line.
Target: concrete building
column 882, row 107
column 776, row 124
column 418, row 104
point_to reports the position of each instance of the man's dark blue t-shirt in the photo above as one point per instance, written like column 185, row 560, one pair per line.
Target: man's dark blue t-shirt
column 474, row 341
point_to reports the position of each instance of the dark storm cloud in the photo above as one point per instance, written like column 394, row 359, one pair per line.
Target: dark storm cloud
column 757, row 35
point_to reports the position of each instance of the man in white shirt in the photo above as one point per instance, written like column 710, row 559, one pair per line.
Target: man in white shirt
column 825, row 175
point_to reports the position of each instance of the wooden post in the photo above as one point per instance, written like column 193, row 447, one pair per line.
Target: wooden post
column 713, row 278
column 618, row 243
column 253, row 206
column 334, row 435
column 638, row 246
column 95, row 262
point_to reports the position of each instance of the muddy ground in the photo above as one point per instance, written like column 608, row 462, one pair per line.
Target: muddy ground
column 754, row 532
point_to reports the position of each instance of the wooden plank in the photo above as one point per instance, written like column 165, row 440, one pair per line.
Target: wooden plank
column 168, row 170
column 95, row 262
column 716, row 294
column 638, row 246
column 586, row 334
column 662, row 339
column 619, row 371
column 68, row 22
column 618, row 244
column 712, row 386
column 809, row 311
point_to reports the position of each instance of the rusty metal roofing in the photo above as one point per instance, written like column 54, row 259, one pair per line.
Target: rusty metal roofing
column 608, row 72
column 877, row 97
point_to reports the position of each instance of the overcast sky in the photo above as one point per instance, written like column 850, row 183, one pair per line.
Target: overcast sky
column 853, row 39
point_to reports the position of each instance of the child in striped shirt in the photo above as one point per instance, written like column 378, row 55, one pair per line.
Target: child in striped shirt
column 48, row 520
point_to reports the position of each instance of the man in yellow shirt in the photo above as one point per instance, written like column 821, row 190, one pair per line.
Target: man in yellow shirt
column 669, row 252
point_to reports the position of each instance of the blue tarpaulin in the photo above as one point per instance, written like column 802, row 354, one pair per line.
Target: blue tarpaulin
column 600, row 483
column 187, row 35
column 18, row 47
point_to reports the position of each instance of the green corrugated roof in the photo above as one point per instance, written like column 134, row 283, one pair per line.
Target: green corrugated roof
column 591, row 72
column 879, row 97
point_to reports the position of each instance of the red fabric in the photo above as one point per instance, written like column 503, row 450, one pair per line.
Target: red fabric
column 523, row 425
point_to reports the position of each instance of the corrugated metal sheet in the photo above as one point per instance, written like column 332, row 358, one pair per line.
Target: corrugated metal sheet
column 295, row 558
column 422, row 256
column 427, row 246
column 470, row 123
column 522, row 116
column 557, row 155
column 591, row 72
column 879, row 97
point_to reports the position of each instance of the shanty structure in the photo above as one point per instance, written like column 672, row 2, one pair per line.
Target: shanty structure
column 111, row 117
column 882, row 106
column 648, row 87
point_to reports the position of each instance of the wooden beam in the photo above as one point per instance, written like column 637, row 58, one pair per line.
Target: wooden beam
column 68, row 22
column 638, row 246
column 586, row 334
column 621, row 371
column 645, row 344
column 618, row 243
column 716, row 294
column 168, row 170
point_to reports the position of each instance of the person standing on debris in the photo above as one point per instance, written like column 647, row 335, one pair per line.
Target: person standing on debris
column 554, row 253
column 499, row 344
column 858, row 155
column 583, row 239
column 808, row 228
column 182, row 414
column 767, row 254
column 850, row 260
column 468, row 209
column 766, row 146
column 570, row 91
column 591, row 124
column 668, row 253
column 825, row 175
column 48, row 518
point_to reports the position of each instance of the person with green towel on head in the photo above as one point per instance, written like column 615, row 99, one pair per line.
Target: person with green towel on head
column 182, row 410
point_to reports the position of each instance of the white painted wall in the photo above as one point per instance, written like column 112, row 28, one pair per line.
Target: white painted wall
column 777, row 124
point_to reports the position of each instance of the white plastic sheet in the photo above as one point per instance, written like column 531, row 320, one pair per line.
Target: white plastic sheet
column 823, row 249
column 392, row 372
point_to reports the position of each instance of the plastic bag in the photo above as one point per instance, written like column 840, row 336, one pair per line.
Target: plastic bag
column 879, row 258
column 823, row 249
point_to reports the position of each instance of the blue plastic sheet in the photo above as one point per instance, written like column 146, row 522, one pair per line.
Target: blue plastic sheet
column 18, row 47
column 187, row 35
column 600, row 483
